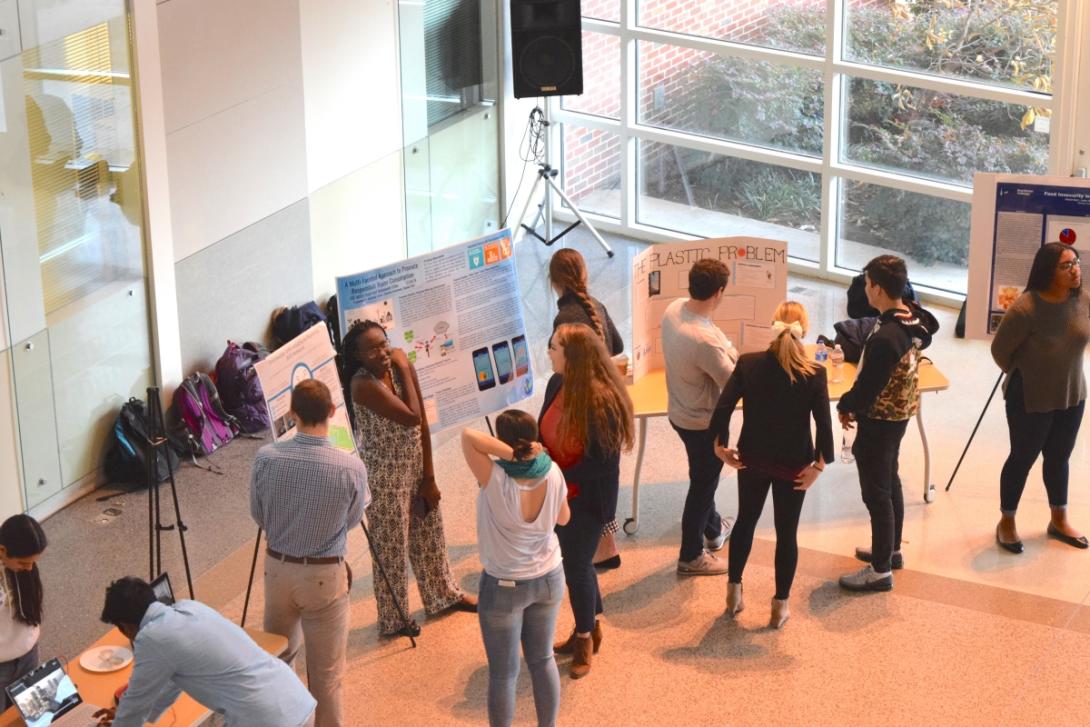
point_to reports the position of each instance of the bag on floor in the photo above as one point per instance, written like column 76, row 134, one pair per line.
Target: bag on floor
column 129, row 449
column 239, row 388
column 287, row 323
column 200, row 409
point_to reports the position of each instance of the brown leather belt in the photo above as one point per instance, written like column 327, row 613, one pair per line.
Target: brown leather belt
column 303, row 561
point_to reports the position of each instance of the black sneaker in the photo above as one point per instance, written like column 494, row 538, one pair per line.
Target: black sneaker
column 897, row 561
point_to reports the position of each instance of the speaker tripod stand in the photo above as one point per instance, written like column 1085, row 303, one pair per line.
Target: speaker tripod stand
column 547, row 174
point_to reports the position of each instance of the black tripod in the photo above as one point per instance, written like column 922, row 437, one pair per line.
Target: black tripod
column 978, row 421
column 374, row 559
column 157, row 441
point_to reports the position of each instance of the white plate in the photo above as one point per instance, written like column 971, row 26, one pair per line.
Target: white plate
column 105, row 658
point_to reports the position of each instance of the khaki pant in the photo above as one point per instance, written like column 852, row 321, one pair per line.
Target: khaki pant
column 310, row 603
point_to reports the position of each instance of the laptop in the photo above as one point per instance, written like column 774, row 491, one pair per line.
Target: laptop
column 47, row 696
column 164, row 594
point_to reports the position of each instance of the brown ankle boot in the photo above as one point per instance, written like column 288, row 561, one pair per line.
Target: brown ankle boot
column 581, row 655
column 565, row 647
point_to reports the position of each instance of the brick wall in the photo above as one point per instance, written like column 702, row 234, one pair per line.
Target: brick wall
column 592, row 159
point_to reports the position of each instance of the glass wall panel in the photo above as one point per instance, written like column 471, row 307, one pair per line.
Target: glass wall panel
column 592, row 169
column 602, row 9
column 930, row 233
column 797, row 25
column 85, row 338
column 712, row 195
column 739, row 99
column 940, row 135
column 1009, row 43
column 601, row 77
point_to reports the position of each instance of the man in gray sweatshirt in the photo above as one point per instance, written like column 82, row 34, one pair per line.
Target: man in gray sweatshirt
column 699, row 360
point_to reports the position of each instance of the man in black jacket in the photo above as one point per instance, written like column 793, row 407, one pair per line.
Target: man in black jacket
column 883, row 398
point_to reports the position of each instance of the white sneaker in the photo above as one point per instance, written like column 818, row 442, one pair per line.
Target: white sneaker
column 716, row 544
column 866, row 579
column 705, row 564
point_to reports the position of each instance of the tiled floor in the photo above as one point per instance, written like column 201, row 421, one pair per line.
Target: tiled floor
column 969, row 635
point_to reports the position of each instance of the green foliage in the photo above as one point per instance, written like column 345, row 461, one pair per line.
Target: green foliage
column 892, row 127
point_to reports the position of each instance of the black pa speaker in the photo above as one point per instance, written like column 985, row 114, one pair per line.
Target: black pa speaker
column 546, row 47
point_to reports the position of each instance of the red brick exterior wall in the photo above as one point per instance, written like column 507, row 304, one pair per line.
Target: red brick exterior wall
column 592, row 159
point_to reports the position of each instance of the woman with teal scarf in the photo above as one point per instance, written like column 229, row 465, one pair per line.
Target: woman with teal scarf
column 522, row 498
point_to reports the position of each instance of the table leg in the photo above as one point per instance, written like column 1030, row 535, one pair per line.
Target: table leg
column 928, row 488
column 632, row 524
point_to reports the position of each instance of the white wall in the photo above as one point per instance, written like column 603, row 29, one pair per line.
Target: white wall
column 233, row 103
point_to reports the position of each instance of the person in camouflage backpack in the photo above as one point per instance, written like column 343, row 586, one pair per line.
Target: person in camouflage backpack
column 883, row 398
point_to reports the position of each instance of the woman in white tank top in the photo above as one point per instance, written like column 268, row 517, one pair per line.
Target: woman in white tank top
column 522, row 498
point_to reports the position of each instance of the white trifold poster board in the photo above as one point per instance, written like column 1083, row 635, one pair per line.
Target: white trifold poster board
column 1013, row 215
column 310, row 355
column 757, row 285
column 457, row 314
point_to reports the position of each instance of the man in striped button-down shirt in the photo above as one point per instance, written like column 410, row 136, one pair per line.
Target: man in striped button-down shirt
column 306, row 494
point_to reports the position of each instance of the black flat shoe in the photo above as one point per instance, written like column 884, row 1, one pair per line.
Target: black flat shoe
column 1079, row 542
column 1015, row 547
column 411, row 629
column 609, row 563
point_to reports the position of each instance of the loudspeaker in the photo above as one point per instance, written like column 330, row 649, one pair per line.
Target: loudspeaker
column 546, row 47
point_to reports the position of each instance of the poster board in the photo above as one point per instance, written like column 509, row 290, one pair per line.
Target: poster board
column 757, row 284
column 457, row 314
column 1012, row 216
column 309, row 355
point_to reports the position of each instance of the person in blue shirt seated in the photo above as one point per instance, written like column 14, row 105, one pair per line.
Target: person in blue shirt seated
column 190, row 647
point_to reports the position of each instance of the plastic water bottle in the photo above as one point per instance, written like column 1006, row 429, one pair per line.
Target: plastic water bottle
column 846, row 442
column 836, row 358
column 821, row 353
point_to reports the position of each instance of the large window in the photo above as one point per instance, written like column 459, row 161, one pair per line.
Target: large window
column 846, row 127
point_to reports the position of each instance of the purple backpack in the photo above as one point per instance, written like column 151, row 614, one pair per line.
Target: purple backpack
column 239, row 388
column 200, row 409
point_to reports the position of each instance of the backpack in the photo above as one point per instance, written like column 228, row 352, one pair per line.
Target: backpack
column 287, row 323
column 239, row 388
column 128, row 450
column 199, row 407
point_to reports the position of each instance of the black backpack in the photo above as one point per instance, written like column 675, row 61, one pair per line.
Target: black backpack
column 287, row 323
column 128, row 449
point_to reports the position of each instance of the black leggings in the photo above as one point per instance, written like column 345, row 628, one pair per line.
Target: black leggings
column 1050, row 433
column 753, row 488
column 578, row 541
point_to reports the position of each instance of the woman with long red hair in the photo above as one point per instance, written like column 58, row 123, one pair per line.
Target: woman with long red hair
column 575, row 304
column 586, row 421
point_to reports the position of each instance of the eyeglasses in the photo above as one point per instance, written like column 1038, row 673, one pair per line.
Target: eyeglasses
column 1069, row 264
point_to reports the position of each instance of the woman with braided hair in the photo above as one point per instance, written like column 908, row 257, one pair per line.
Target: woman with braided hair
column 568, row 277
column 22, row 542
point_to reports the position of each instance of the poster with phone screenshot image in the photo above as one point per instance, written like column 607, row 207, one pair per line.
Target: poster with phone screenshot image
column 504, row 367
column 522, row 355
column 457, row 314
column 482, row 367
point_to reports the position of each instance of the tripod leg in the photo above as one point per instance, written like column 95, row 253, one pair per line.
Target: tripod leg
column 978, row 421
column 579, row 215
column 526, row 206
column 181, row 534
column 382, row 571
column 250, row 583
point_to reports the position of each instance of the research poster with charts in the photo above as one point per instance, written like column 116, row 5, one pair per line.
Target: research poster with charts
column 457, row 314
column 1013, row 215
column 309, row 355
column 757, row 284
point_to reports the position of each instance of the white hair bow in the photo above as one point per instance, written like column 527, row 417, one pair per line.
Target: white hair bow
column 794, row 328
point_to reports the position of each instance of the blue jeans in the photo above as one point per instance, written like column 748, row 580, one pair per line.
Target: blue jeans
column 514, row 611
column 699, row 519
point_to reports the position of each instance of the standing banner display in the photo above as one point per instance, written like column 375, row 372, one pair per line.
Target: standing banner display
column 309, row 355
column 1013, row 215
column 757, row 284
column 457, row 314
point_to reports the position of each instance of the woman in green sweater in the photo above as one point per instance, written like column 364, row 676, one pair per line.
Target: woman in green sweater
column 1039, row 346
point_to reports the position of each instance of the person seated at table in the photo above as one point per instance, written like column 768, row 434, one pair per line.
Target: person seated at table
column 783, row 390
column 22, row 542
column 190, row 647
